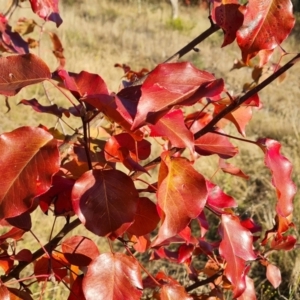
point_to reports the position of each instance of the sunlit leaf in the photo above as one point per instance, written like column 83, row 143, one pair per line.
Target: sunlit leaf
column 237, row 248
column 266, row 25
column 28, row 175
column 173, row 292
column 79, row 250
column 273, row 275
column 169, row 85
column 213, row 143
column 172, row 127
column 281, row 169
column 18, row 71
column 113, row 276
column 181, row 197
column 47, row 10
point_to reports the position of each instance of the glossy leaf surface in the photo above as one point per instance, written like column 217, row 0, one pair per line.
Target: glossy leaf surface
column 47, row 10
column 266, row 25
column 213, row 143
column 273, row 275
column 281, row 169
column 172, row 127
column 169, row 85
column 181, row 196
column 105, row 200
column 19, row 71
column 173, row 292
column 113, row 276
column 237, row 248
column 28, row 175
column 79, row 250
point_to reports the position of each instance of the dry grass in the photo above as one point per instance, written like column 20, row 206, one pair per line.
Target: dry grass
column 98, row 34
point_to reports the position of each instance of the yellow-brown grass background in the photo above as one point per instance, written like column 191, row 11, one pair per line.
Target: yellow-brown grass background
column 98, row 34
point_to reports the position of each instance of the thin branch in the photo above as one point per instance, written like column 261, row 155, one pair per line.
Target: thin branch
column 231, row 107
column 186, row 49
column 203, row 282
column 48, row 247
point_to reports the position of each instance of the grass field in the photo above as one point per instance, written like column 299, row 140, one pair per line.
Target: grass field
column 98, row 34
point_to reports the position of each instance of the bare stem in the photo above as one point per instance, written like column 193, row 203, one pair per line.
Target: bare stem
column 48, row 248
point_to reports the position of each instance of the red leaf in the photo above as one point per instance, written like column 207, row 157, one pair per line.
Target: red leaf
column 266, row 25
column 138, row 150
column 181, row 196
column 83, row 84
column 79, row 250
column 76, row 292
column 28, row 175
column 173, row 292
column 59, row 195
column 18, row 71
column 105, row 200
column 23, row 255
column 217, row 200
column 185, row 253
column 273, row 275
column 50, row 109
column 172, row 127
column 169, row 85
column 48, row 267
column 47, row 10
column 281, row 169
column 249, row 293
column 283, row 243
column 228, row 15
column 113, row 276
column 213, row 143
column 237, row 248
column 231, row 169
column 14, row 233
column 4, row 293
column 146, row 218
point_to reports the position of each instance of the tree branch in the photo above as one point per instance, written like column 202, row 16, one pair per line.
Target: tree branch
column 48, row 247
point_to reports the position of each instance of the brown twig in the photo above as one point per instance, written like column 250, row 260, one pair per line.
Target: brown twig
column 203, row 282
column 48, row 247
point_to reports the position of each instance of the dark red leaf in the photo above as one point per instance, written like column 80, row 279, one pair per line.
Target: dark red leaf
column 113, row 276
column 76, row 292
column 281, row 169
column 50, row 109
column 23, row 255
column 181, row 197
column 273, row 275
column 105, row 200
column 172, row 127
column 28, row 175
column 185, row 253
column 251, row 225
column 79, row 250
column 266, row 25
column 18, row 71
column 146, row 218
column 228, row 15
column 169, row 85
column 213, row 143
column 47, row 10
column 59, row 195
column 237, row 248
